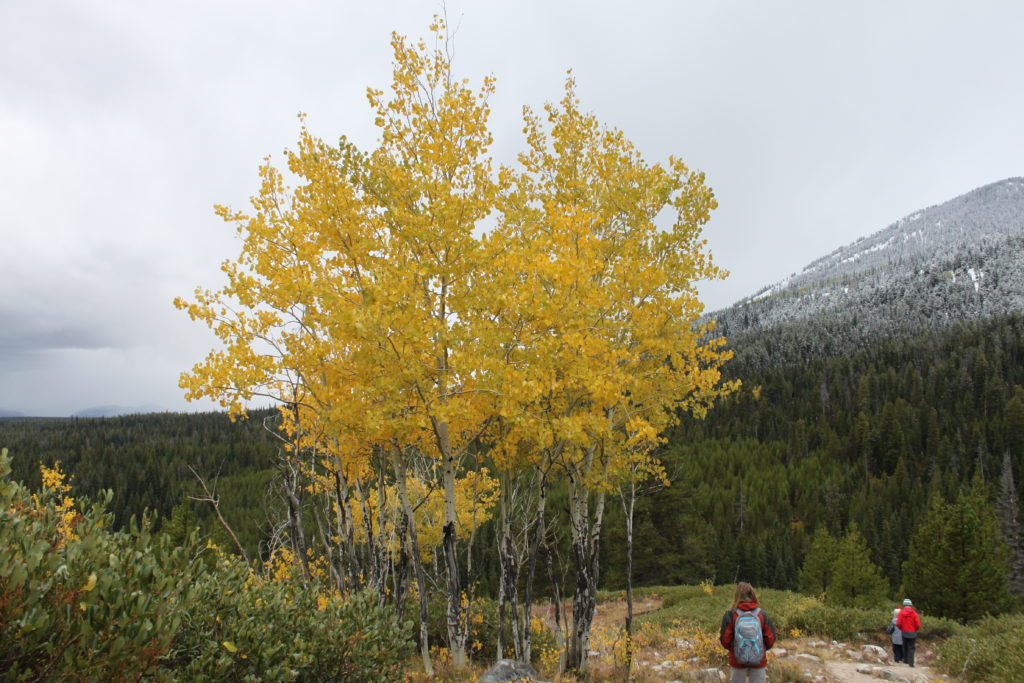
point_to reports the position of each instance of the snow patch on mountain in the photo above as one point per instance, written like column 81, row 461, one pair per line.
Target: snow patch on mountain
column 954, row 261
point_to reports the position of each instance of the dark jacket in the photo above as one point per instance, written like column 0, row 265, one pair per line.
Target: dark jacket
column 725, row 634
column 908, row 622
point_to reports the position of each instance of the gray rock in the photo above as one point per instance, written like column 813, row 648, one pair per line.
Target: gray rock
column 506, row 670
column 876, row 652
column 893, row 676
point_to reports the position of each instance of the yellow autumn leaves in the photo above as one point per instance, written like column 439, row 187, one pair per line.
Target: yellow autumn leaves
column 369, row 294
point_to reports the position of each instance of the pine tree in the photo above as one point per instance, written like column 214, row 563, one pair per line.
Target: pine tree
column 182, row 522
column 958, row 564
column 1008, row 509
column 856, row 580
column 816, row 574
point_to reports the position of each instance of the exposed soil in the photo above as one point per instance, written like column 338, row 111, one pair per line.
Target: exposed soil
column 846, row 672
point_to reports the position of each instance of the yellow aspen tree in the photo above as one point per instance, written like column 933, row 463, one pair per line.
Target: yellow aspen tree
column 367, row 302
column 295, row 326
column 604, row 346
column 357, row 291
column 429, row 186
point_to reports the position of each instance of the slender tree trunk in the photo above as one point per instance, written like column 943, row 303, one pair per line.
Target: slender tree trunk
column 556, row 606
column 505, row 560
column 401, row 574
column 347, row 559
column 293, row 490
column 629, row 505
column 539, row 533
column 457, row 634
column 322, row 528
column 585, row 547
column 295, row 493
column 369, row 565
column 414, row 552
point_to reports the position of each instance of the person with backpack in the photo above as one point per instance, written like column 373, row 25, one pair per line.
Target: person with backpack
column 747, row 634
column 909, row 623
column 897, row 637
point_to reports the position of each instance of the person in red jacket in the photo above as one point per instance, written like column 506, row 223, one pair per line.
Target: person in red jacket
column 746, row 618
column 909, row 623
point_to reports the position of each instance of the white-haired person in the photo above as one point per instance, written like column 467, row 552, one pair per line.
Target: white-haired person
column 897, row 636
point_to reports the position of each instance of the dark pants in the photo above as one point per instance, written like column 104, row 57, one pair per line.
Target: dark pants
column 897, row 652
column 908, row 649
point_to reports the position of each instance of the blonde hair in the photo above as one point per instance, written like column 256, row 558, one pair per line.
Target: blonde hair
column 744, row 593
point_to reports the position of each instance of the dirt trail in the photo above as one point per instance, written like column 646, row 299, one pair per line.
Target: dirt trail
column 830, row 662
column 846, row 672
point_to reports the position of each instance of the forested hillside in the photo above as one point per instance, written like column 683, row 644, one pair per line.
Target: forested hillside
column 145, row 460
column 860, row 438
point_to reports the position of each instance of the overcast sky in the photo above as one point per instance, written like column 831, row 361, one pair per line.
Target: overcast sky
column 123, row 122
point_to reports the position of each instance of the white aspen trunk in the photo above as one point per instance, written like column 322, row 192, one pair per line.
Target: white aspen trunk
column 504, row 565
column 414, row 551
column 585, row 526
column 629, row 504
column 556, row 605
column 457, row 631
column 539, row 532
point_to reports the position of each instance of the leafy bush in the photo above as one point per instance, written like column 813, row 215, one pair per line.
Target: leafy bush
column 833, row 622
column 990, row 650
column 243, row 627
column 78, row 601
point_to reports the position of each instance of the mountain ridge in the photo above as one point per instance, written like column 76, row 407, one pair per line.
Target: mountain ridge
column 953, row 261
column 916, row 234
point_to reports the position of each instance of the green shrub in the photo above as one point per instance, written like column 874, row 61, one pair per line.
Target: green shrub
column 990, row 650
column 483, row 628
column 77, row 601
column 833, row 622
column 241, row 627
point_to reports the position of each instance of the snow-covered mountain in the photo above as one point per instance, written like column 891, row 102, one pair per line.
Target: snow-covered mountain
column 958, row 260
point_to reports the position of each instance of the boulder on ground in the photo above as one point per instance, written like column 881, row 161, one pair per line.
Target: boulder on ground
column 874, row 651
column 509, row 670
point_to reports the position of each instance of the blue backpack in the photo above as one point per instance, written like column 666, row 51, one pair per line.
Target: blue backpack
column 748, row 639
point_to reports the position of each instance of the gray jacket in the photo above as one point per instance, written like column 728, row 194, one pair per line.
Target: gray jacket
column 897, row 634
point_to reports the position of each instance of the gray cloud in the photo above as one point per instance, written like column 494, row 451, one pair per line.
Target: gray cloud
column 124, row 122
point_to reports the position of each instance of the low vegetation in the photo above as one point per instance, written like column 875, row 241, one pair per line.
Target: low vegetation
column 79, row 601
